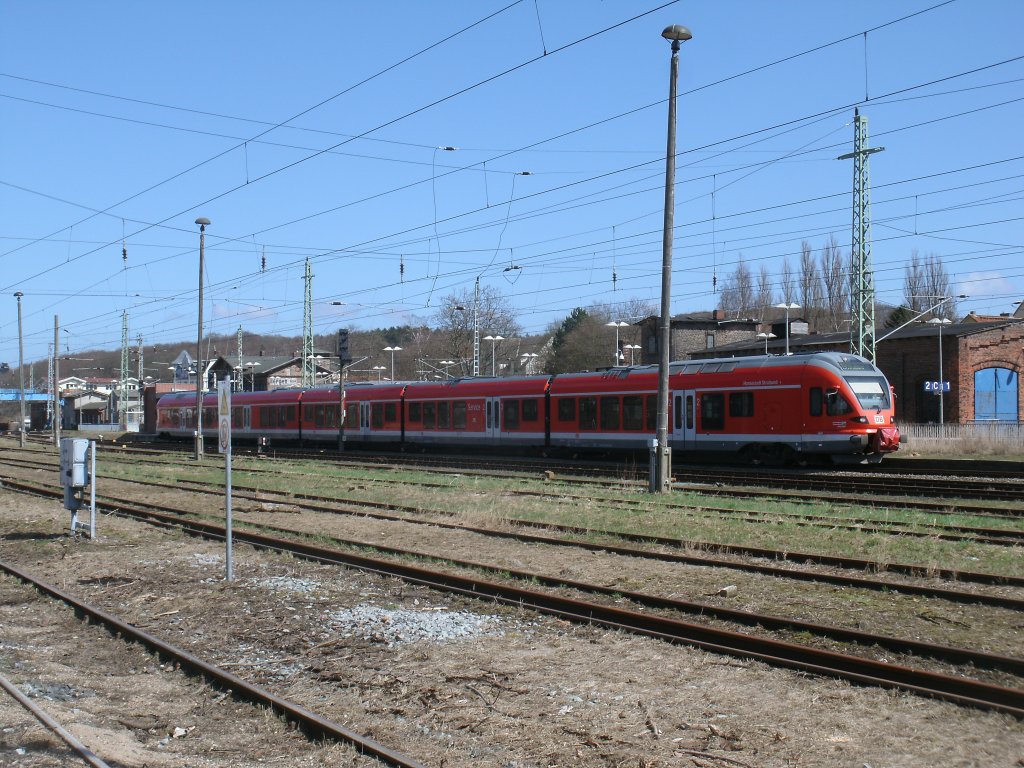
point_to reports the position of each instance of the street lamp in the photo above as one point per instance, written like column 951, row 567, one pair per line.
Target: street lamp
column 203, row 224
column 446, row 363
column 392, row 350
column 940, row 321
column 493, row 340
column 766, row 336
column 631, row 348
column 616, row 324
column 662, row 479
column 21, row 372
column 379, row 369
column 787, row 307
column 526, row 360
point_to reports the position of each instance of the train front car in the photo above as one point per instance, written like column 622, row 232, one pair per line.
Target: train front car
column 850, row 409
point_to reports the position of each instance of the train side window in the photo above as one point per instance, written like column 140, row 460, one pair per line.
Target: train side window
column 488, row 414
column 652, row 413
column 689, row 411
column 510, row 409
column 429, row 415
column 836, row 404
column 390, row 412
column 331, row 416
column 610, row 413
column 588, row 413
column 816, row 401
column 415, row 412
column 236, row 418
column 530, row 412
column 443, row 422
column 459, row 414
column 567, row 409
column 290, row 414
column 678, row 408
column 377, row 415
column 308, row 412
column 633, row 412
column 352, row 416
column 741, row 404
column 712, row 411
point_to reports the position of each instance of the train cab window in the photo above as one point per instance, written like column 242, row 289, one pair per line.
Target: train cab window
column 816, row 401
column 415, row 412
column 588, row 413
column 530, row 410
column 567, row 409
column 741, row 404
column 633, row 412
column 510, row 409
column 610, row 413
column 712, row 411
column 377, row 415
column 459, row 414
column 390, row 412
column 652, row 413
column 836, row 404
column 443, row 413
column 429, row 415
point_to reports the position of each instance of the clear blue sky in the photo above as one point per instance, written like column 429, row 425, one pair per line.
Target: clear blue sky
column 137, row 118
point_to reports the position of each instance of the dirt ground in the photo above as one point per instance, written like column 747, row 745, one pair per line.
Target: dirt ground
column 509, row 689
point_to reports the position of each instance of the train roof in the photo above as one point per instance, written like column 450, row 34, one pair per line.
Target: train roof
column 841, row 362
column 481, row 386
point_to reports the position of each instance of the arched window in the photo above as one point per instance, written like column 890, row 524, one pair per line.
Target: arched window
column 995, row 394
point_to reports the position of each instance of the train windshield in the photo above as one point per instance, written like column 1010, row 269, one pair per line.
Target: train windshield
column 871, row 391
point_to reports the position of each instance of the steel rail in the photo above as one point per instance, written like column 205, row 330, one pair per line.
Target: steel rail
column 959, row 690
column 312, row 723
column 56, row 728
column 956, row 596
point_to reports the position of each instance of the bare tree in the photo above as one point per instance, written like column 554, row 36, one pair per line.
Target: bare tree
column 738, row 293
column 915, row 284
column 787, row 282
column 836, row 279
column 765, row 291
column 454, row 319
column 811, row 290
column 938, row 285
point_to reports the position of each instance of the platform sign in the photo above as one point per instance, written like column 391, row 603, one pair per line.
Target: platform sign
column 935, row 387
column 224, row 415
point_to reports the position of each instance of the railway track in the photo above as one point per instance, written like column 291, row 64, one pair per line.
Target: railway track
column 955, row 688
column 314, row 725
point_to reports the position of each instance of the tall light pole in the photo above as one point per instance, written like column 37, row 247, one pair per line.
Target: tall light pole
column 203, row 224
column 940, row 321
column 766, row 336
column 663, row 464
column 616, row 324
column 631, row 348
column 493, row 340
column 392, row 350
column 380, row 369
column 787, row 307
column 21, row 372
column 447, row 363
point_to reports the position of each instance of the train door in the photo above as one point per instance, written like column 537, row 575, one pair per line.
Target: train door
column 364, row 418
column 492, row 418
column 684, row 420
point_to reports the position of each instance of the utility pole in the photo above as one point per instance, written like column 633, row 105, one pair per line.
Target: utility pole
column 238, row 379
column 476, row 328
column 862, row 329
column 122, row 390
column 57, row 412
column 308, row 363
column 52, row 351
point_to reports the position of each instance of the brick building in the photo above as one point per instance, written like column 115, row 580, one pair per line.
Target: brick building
column 693, row 333
column 981, row 361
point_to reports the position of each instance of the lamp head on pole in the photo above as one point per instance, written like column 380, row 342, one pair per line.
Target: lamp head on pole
column 18, row 295
column 203, row 223
column 676, row 33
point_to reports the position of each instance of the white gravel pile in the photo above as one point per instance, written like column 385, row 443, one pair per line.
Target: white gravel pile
column 288, row 584
column 401, row 626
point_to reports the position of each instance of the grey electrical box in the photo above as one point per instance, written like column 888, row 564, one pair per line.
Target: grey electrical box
column 74, row 452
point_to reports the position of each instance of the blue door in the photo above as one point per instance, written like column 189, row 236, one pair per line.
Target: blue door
column 995, row 394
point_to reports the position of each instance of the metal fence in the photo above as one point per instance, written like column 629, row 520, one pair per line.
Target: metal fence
column 993, row 437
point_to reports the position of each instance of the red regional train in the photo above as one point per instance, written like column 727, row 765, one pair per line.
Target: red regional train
column 765, row 408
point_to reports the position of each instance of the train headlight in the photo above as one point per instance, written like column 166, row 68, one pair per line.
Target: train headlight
column 859, row 420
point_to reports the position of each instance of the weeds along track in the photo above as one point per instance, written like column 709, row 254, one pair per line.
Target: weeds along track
column 585, row 538
column 603, row 607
